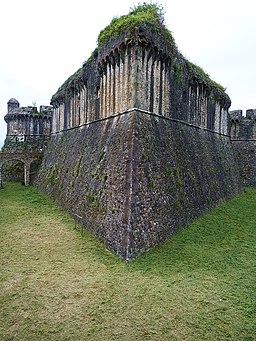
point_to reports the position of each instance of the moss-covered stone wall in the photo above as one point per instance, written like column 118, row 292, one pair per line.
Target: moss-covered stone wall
column 139, row 145
column 135, row 179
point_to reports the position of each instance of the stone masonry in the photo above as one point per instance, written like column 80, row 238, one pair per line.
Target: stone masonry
column 27, row 135
column 243, row 137
column 139, row 145
column 27, row 129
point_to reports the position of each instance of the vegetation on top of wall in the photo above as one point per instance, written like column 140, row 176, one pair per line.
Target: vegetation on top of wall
column 151, row 18
column 67, row 84
column 203, row 76
column 93, row 55
column 151, row 15
column 218, row 91
column 144, row 15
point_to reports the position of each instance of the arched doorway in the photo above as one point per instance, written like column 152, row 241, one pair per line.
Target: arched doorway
column 26, row 160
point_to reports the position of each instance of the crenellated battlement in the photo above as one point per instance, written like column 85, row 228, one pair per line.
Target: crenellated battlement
column 243, row 127
column 27, row 121
column 27, row 128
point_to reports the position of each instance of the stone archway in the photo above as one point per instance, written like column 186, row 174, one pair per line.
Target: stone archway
column 25, row 158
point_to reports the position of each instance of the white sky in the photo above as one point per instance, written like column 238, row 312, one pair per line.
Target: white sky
column 43, row 42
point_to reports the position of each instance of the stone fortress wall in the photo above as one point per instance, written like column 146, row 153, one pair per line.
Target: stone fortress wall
column 140, row 142
column 139, row 145
column 243, row 137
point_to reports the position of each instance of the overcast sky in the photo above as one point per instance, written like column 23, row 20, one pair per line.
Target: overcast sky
column 43, row 42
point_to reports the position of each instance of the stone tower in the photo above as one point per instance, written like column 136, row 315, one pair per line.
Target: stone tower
column 27, row 129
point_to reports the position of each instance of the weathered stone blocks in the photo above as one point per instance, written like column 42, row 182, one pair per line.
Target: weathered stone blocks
column 136, row 178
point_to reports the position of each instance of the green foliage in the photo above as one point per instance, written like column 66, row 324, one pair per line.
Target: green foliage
column 93, row 55
column 203, row 76
column 57, row 284
column 150, row 15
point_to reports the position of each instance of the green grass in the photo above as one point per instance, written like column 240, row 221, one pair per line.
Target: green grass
column 59, row 284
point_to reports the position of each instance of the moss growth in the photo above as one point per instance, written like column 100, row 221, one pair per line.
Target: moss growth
column 175, row 174
column 92, row 199
column 67, row 84
column 150, row 18
column 95, row 173
column 104, row 178
column 77, row 166
column 177, row 204
column 150, row 15
column 203, row 76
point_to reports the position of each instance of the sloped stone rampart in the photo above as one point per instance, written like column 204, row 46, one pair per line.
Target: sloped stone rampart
column 135, row 179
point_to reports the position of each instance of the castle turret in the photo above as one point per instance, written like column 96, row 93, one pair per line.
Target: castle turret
column 27, row 129
column 243, row 128
column 12, row 104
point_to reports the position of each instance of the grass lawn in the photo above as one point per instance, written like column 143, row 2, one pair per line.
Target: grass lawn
column 59, row 284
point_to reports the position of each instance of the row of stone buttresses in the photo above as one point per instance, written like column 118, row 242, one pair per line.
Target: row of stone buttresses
column 110, row 60
column 96, row 82
column 118, row 54
column 146, row 52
